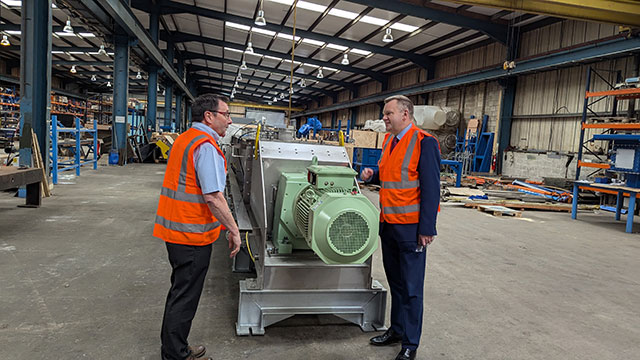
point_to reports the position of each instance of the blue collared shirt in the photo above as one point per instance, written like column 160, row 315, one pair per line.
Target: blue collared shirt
column 209, row 163
column 404, row 131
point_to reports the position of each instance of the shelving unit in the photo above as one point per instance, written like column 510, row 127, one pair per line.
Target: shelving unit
column 623, row 148
column 9, row 115
column 75, row 145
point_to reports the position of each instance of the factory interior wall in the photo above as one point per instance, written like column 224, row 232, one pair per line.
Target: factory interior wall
column 548, row 105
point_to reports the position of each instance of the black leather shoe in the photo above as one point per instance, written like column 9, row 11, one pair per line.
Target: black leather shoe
column 406, row 354
column 197, row 351
column 389, row 337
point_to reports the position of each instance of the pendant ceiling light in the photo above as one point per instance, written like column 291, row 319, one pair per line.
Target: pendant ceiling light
column 320, row 75
column 109, row 84
column 138, row 75
column 387, row 38
column 239, row 78
column 73, row 69
column 243, row 67
column 102, row 51
column 303, row 83
column 5, row 41
column 345, row 60
column 249, row 46
column 93, row 78
column 260, row 20
column 67, row 27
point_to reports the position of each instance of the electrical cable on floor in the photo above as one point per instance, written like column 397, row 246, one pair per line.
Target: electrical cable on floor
column 246, row 237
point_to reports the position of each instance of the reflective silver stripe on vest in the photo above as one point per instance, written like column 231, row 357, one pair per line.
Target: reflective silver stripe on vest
column 386, row 143
column 405, row 183
column 400, row 209
column 186, row 228
column 398, row 185
column 182, row 196
column 182, row 179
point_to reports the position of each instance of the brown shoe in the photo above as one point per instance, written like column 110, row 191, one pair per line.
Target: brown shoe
column 196, row 351
column 191, row 357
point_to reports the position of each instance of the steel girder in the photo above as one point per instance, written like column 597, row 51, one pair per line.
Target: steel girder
column 192, row 55
column 496, row 31
column 622, row 12
column 177, row 37
column 172, row 7
column 124, row 17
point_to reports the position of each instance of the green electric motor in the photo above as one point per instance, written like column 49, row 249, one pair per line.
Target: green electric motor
column 323, row 210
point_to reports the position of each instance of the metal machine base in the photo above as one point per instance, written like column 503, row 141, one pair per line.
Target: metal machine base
column 260, row 308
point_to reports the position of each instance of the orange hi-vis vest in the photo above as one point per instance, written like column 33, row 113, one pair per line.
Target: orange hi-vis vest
column 183, row 216
column 400, row 185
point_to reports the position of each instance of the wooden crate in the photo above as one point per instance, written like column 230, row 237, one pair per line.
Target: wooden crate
column 364, row 139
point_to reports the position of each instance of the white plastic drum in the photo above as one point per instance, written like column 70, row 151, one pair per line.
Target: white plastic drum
column 429, row 117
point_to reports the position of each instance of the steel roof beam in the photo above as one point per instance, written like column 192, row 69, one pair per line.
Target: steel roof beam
column 124, row 17
column 212, row 87
column 192, row 55
column 496, row 31
column 251, row 77
column 172, row 7
column 184, row 37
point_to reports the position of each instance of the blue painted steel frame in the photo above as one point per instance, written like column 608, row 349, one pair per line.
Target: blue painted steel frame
column 77, row 132
column 120, row 93
column 619, row 201
column 35, row 77
column 152, row 90
column 457, row 167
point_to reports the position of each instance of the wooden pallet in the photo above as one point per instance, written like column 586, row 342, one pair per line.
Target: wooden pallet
column 499, row 210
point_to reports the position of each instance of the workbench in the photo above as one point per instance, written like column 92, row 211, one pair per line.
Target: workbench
column 13, row 177
column 620, row 191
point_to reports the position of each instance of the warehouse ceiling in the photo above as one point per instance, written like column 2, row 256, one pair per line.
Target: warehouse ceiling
column 338, row 44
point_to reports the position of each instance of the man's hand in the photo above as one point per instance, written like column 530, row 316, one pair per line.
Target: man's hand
column 234, row 243
column 366, row 174
column 424, row 240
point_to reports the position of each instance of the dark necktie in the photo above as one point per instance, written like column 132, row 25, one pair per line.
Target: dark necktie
column 394, row 142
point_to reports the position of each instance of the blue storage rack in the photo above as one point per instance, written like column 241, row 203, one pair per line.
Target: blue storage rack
column 58, row 166
column 365, row 158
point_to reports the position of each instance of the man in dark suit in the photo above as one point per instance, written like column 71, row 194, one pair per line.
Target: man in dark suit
column 409, row 175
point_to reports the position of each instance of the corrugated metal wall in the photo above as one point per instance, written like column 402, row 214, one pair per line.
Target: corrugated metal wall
column 547, row 104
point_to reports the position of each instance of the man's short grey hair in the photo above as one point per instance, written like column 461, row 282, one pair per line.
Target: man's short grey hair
column 404, row 103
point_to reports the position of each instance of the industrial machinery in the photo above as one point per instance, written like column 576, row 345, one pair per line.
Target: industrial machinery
column 308, row 232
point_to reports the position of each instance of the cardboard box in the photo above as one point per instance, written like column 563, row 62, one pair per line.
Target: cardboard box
column 349, row 148
column 364, row 138
column 380, row 142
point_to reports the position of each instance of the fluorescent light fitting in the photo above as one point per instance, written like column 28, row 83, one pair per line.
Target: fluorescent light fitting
column 311, row 6
column 373, row 20
column 387, row 38
column 404, row 27
column 87, row 34
column 13, row 32
column 343, row 14
column 263, row 31
column 12, row 2
column 238, row 26
column 345, row 59
column 287, row 36
column 76, row 52
column 337, row 47
column 360, row 52
column 313, row 42
column 68, row 28
column 64, row 33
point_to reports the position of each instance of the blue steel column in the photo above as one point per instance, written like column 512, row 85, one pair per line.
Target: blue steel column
column 168, row 91
column 120, row 95
column 35, row 78
column 152, row 91
column 179, row 96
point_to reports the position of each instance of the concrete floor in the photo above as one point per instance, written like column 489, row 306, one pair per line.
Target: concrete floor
column 82, row 277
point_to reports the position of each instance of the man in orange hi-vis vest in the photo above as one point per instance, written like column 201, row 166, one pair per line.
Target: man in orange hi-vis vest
column 191, row 212
column 409, row 176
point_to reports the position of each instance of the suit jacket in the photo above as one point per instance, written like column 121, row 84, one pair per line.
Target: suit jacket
column 429, row 177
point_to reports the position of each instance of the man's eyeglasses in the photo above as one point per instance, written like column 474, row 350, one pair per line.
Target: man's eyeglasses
column 226, row 114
